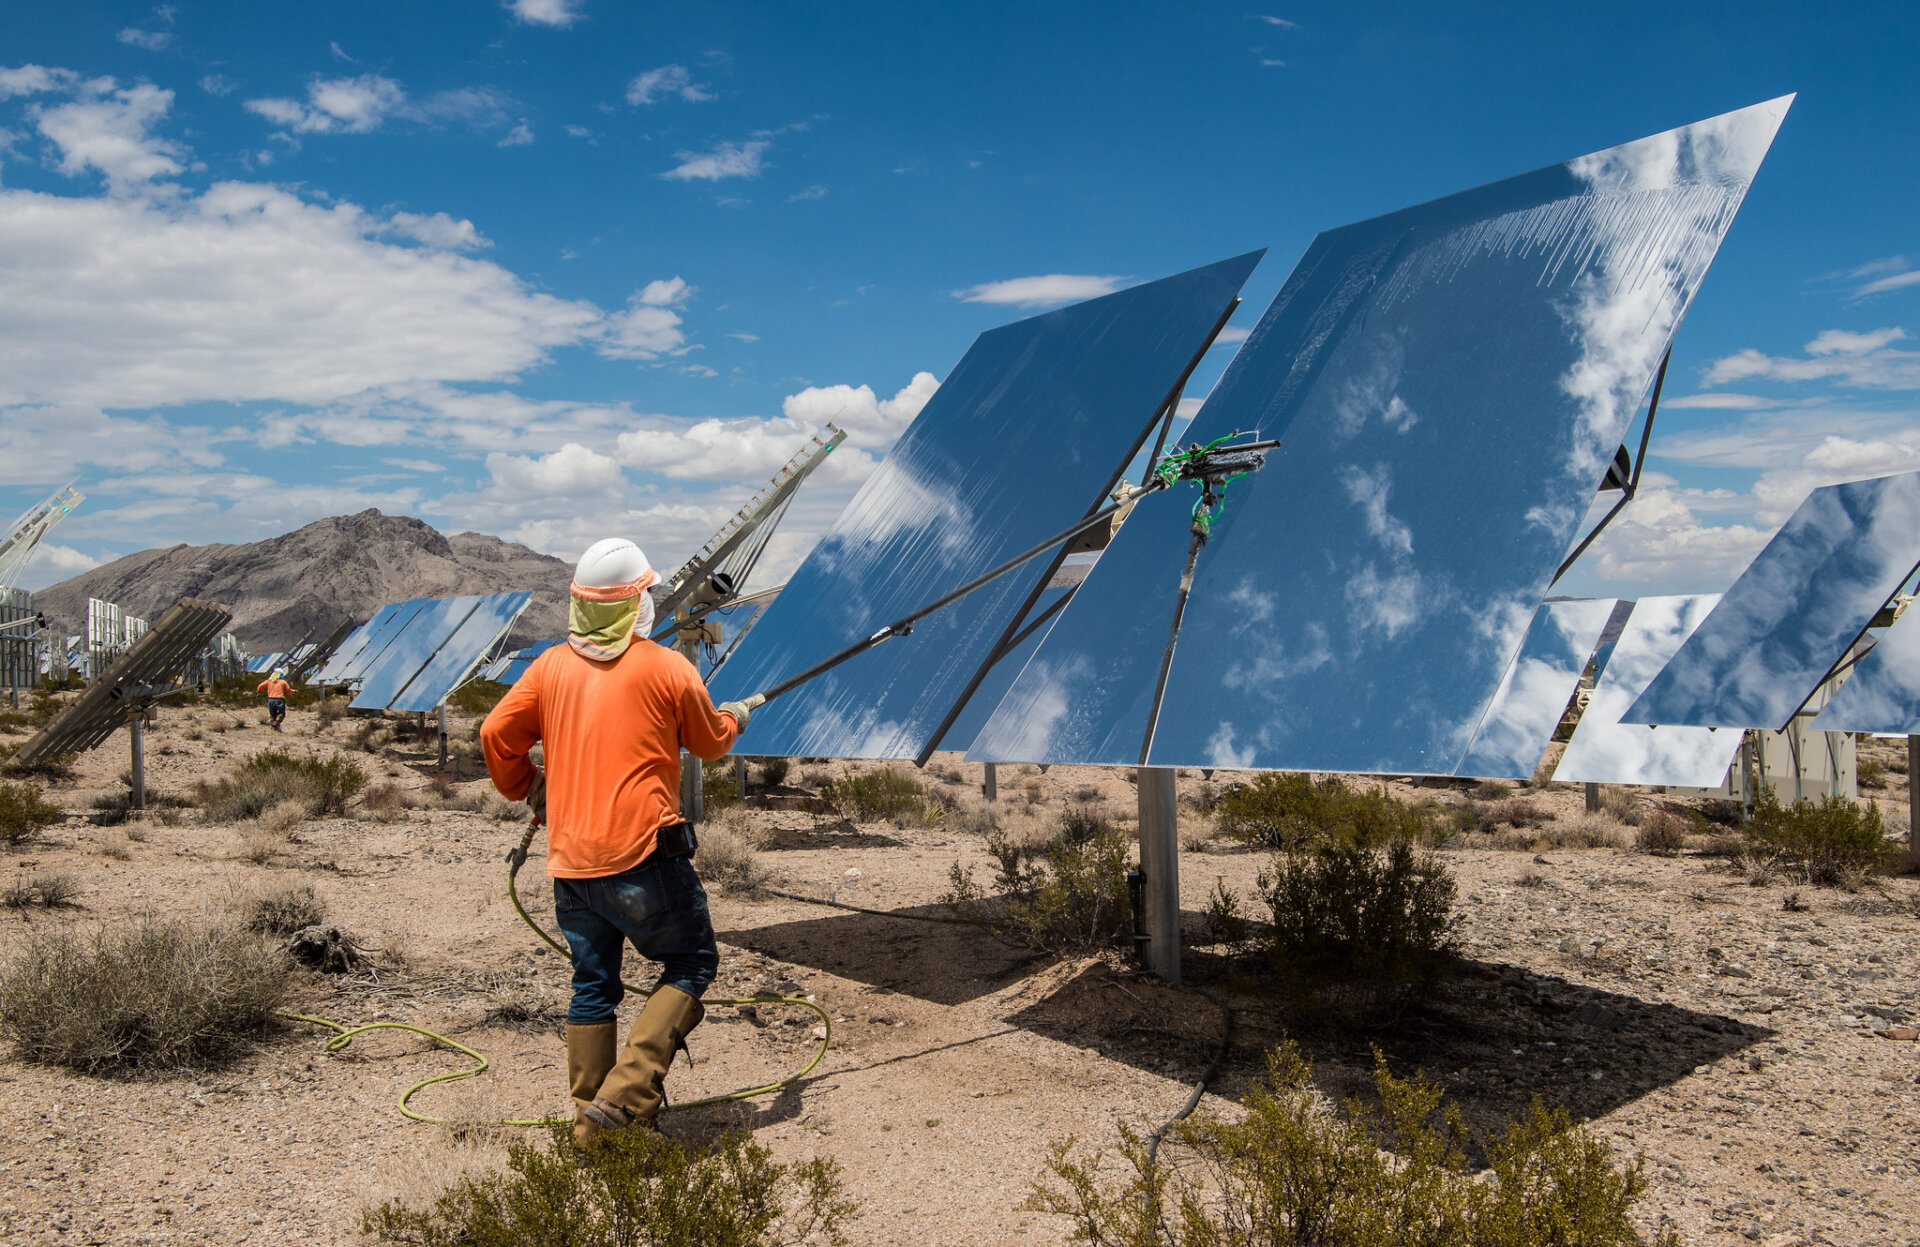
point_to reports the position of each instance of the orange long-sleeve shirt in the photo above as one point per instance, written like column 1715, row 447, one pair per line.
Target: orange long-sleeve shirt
column 274, row 688
column 612, row 733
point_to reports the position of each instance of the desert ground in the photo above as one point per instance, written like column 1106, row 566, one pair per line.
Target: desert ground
column 1743, row 1033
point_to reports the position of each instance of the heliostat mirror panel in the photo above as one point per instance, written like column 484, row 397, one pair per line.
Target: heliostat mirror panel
column 1514, row 734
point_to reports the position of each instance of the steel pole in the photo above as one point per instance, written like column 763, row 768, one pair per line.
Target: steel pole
column 137, row 729
column 1160, row 863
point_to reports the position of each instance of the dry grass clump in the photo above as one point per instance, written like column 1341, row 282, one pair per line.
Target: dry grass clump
column 501, row 810
column 323, row 785
column 1596, row 830
column 1490, row 790
column 117, row 847
column 281, row 911
column 283, row 818
column 156, row 994
column 1621, row 804
column 728, row 854
column 50, row 891
column 773, row 772
column 1662, row 833
column 1513, row 812
column 330, row 711
column 973, row 815
column 24, row 813
column 384, row 802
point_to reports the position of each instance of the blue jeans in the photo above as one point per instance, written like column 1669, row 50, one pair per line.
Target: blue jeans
column 661, row 907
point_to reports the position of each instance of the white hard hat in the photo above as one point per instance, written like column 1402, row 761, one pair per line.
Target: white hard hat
column 613, row 563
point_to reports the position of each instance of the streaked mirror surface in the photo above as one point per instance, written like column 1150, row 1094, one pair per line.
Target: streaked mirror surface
column 1514, row 735
column 1793, row 613
column 1023, row 438
column 410, row 649
column 1450, row 382
column 1606, row 751
column 381, row 637
column 477, row 634
column 1882, row 692
column 354, row 645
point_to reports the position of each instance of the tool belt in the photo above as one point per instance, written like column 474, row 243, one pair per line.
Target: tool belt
column 675, row 840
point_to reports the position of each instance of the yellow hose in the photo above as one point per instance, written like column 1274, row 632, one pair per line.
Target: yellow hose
column 344, row 1035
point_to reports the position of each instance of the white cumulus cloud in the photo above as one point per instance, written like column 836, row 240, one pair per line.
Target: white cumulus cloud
column 108, row 130
column 725, row 160
column 1040, row 291
column 664, row 81
column 558, row 13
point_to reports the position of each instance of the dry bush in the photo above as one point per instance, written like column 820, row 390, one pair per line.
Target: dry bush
column 1513, row 812
column 330, row 711
column 816, row 777
column 1514, row 840
column 24, row 813
column 1287, row 809
column 259, row 845
column 1035, row 792
column 414, row 1179
column 155, row 994
column 440, row 784
column 500, row 809
column 1833, row 842
column 281, row 911
column 1598, row 830
column 50, row 890
column 384, row 803
column 322, row 784
column 886, row 794
column 1199, row 833
column 973, row 815
column 1531, row 878
column 773, row 772
column 728, row 853
column 1088, row 794
column 1662, row 833
column 1623, row 805
column 117, row 847
column 1490, row 790
column 283, row 818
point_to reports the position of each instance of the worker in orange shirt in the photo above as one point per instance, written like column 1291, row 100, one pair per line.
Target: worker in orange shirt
column 276, row 688
column 613, row 711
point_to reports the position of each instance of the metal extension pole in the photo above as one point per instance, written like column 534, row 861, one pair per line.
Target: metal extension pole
column 1913, row 796
column 1160, row 863
column 693, row 789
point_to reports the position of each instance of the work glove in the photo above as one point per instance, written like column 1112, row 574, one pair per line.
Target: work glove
column 742, row 711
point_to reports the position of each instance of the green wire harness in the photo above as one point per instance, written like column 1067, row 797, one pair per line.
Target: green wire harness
column 344, row 1035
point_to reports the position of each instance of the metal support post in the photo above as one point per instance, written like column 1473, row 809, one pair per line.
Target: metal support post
column 990, row 784
column 1160, row 863
column 740, row 774
column 443, row 734
column 137, row 729
column 1913, row 795
column 1593, row 798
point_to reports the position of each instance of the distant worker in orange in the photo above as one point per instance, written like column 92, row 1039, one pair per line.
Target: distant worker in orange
column 613, row 711
column 276, row 688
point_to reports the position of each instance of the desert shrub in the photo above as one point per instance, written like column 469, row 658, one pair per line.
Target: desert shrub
column 1348, row 913
column 1226, row 921
column 720, row 784
column 773, row 771
column 502, row 810
column 1058, row 896
column 24, row 813
column 1870, row 772
column 1832, row 842
column 1596, row 830
column 877, row 795
column 1290, row 1172
column 440, row 784
column 282, row 911
column 159, row 993
column 1513, row 812
column 631, row 1188
column 1490, row 790
column 330, row 711
column 384, row 802
column 1080, row 825
column 477, row 696
column 975, row 816
column 1286, row 809
column 728, row 856
column 1621, row 804
column 1661, row 833
column 51, row 891
column 322, row 785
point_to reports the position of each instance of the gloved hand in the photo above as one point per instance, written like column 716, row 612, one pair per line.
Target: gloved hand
column 742, row 711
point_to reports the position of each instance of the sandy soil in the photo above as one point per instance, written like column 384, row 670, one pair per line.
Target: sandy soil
column 1679, row 1008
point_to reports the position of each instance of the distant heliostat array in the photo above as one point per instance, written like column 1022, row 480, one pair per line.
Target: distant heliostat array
column 410, row 655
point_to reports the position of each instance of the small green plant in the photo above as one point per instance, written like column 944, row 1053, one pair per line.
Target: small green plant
column 1286, row 809
column 1347, row 914
column 1289, row 1172
column 631, row 1188
column 1872, row 772
column 1227, row 924
column 878, row 795
column 720, row 784
column 478, row 696
column 156, row 994
column 1068, row 896
column 1490, row 790
column 24, row 813
column 773, row 771
column 1832, row 842
column 323, row 785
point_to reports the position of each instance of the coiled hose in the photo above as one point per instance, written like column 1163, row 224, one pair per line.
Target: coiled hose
column 344, row 1035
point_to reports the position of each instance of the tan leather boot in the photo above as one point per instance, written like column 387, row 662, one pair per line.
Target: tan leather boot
column 635, row 1090
column 591, row 1051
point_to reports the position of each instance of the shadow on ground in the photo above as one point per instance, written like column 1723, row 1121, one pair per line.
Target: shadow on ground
column 1494, row 1037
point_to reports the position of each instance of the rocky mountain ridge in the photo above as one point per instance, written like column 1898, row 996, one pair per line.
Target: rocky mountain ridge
column 302, row 583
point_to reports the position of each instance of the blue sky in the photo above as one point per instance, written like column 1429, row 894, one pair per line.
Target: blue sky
column 554, row 269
